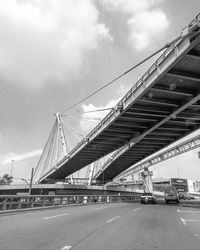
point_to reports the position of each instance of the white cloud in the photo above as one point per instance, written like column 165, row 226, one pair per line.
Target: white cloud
column 147, row 26
column 146, row 21
column 14, row 157
column 89, row 120
column 98, row 116
column 131, row 6
column 43, row 39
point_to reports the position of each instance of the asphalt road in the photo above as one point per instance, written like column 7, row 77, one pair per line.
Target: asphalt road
column 118, row 226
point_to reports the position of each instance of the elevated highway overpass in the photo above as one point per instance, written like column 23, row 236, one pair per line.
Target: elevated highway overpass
column 166, row 154
column 63, row 189
column 162, row 107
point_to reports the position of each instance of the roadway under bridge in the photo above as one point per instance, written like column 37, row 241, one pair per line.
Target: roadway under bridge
column 161, row 108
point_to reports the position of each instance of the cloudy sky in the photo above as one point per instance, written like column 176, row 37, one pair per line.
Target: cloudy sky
column 54, row 53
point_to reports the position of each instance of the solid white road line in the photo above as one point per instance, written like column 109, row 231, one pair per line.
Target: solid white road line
column 66, row 248
column 114, row 218
column 187, row 211
column 183, row 221
column 54, row 216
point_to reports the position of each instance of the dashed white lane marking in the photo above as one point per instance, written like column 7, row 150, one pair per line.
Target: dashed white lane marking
column 114, row 218
column 99, row 208
column 136, row 209
column 187, row 211
column 196, row 235
column 183, row 221
column 54, row 216
column 66, row 248
column 193, row 220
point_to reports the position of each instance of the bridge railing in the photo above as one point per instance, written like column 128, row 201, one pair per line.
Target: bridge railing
column 13, row 202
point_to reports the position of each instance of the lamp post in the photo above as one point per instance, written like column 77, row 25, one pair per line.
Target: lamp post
column 31, row 181
column 11, row 171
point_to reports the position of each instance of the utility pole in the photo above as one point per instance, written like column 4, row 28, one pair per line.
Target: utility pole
column 31, row 181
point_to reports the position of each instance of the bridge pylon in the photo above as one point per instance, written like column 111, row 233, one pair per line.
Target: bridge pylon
column 147, row 180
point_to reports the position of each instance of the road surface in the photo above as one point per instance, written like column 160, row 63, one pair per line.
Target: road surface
column 117, row 226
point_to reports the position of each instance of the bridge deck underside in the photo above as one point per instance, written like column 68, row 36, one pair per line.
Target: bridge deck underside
column 177, row 86
column 175, row 89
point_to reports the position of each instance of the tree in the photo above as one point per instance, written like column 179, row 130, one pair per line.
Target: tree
column 6, row 179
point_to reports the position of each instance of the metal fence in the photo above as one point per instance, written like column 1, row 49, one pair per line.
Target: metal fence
column 11, row 202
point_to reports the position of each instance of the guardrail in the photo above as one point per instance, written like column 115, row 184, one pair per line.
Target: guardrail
column 11, row 202
column 190, row 203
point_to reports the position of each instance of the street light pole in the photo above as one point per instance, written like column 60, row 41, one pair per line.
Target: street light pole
column 11, row 171
column 31, row 181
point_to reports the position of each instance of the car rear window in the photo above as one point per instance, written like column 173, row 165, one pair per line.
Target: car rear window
column 147, row 194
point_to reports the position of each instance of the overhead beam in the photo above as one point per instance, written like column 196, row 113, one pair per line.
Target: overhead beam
column 115, row 136
column 176, row 91
column 149, row 109
column 159, row 133
column 130, row 125
column 167, row 128
column 159, row 138
column 122, row 130
column 126, row 118
column 158, row 102
column 183, row 122
column 193, row 56
column 145, row 114
column 181, row 75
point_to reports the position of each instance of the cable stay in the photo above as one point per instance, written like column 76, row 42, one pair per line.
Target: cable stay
column 78, row 135
column 41, row 166
column 86, row 112
column 167, row 45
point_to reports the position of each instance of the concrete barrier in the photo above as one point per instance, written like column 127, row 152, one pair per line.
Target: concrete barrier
column 14, row 203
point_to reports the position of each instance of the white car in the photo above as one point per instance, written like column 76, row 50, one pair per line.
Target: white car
column 147, row 198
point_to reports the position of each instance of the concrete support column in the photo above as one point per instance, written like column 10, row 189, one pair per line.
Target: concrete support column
column 147, row 179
